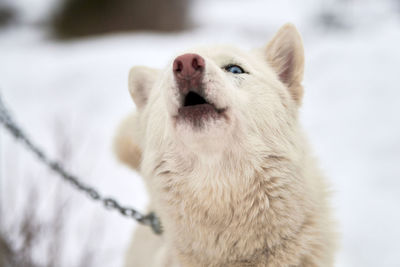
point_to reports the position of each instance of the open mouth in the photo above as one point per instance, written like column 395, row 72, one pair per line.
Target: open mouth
column 197, row 108
column 193, row 99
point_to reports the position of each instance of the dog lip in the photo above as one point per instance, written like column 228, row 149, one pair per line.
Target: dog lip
column 206, row 107
column 197, row 115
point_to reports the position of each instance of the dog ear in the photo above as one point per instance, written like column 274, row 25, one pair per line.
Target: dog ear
column 285, row 54
column 141, row 80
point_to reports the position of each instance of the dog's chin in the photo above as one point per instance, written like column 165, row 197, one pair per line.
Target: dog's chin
column 202, row 127
column 203, row 138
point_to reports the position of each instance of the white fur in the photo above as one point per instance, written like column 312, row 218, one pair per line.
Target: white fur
column 244, row 189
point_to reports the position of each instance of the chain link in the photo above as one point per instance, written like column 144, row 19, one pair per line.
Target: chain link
column 109, row 203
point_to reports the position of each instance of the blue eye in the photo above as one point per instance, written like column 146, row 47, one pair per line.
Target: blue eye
column 235, row 69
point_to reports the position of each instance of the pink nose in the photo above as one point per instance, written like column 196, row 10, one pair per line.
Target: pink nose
column 188, row 66
column 188, row 71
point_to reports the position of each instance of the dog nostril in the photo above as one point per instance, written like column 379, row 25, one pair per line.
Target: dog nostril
column 178, row 66
column 195, row 64
column 198, row 63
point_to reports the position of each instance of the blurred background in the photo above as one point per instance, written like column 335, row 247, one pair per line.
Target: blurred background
column 63, row 72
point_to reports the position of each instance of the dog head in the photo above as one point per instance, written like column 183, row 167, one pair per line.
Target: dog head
column 208, row 98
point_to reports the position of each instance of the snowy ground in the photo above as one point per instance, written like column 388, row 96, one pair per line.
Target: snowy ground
column 350, row 112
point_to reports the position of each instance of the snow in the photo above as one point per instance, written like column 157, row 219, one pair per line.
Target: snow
column 350, row 111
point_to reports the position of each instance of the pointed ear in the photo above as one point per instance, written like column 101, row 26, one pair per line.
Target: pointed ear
column 285, row 54
column 141, row 80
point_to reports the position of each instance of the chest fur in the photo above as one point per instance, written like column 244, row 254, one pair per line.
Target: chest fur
column 230, row 215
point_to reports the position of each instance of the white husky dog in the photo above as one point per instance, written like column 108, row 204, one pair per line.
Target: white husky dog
column 217, row 139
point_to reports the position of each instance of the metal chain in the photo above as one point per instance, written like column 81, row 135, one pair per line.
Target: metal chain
column 150, row 219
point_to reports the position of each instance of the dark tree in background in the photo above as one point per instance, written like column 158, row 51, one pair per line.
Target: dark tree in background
column 334, row 15
column 7, row 14
column 77, row 18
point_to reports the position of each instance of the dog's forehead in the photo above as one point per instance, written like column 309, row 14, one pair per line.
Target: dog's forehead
column 220, row 52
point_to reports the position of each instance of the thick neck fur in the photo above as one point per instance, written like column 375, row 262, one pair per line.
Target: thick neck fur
column 233, row 209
